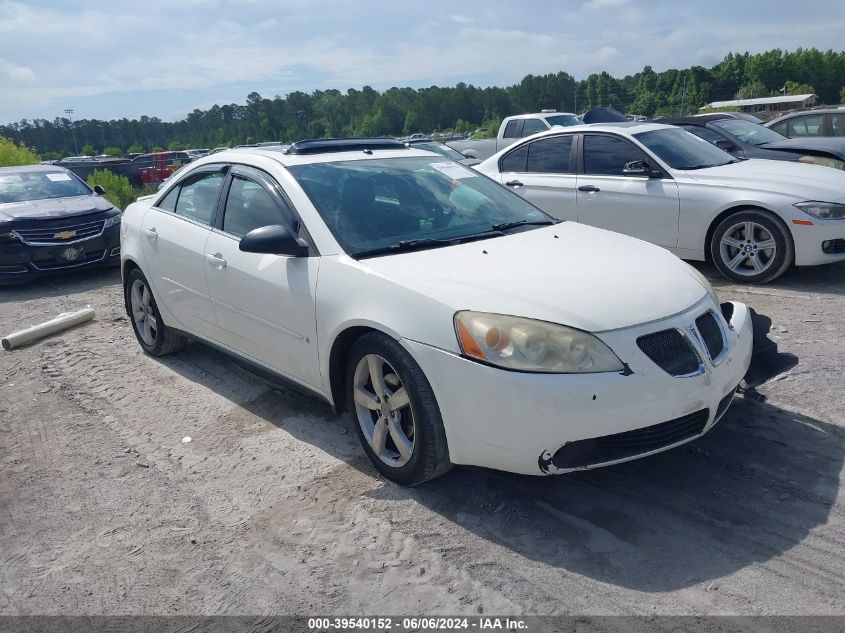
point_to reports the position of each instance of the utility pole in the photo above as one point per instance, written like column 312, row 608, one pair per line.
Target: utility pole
column 69, row 113
column 684, row 95
column 575, row 95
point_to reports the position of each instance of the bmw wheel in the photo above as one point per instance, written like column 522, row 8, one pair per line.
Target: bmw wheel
column 396, row 416
column 154, row 336
column 751, row 246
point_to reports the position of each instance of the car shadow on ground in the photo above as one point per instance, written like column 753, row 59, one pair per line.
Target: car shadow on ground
column 829, row 279
column 750, row 490
column 60, row 285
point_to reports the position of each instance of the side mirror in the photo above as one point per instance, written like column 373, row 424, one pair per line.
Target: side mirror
column 639, row 168
column 273, row 240
column 98, row 189
column 725, row 144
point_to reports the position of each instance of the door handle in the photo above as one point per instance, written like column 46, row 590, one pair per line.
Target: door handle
column 216, row 260
column 513, row 183
column 589, row 188
column 151, row 233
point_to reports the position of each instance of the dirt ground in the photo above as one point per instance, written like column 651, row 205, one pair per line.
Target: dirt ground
column 272, row 507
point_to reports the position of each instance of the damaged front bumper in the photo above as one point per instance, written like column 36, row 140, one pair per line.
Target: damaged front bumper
column 524, row 422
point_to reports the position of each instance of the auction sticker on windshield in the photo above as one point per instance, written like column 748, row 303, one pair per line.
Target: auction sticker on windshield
column 454, row 170
column 58, row 177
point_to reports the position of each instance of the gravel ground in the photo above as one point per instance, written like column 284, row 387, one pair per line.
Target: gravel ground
column 272, row 508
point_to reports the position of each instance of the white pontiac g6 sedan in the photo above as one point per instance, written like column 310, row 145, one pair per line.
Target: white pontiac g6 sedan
column 456, row 322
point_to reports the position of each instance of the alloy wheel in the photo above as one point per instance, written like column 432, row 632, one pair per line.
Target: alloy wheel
column 143, row 312
column 748, row 248
column 383, row 409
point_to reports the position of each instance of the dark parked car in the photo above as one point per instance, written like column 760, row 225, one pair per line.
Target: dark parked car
column 745, row 139
column 51, row 221
column 816, row 122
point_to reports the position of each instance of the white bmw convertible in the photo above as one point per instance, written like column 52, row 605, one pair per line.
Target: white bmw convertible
column 458, row 323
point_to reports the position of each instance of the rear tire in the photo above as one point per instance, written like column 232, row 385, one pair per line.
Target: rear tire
column 752, row 246
column 155, row 338
column 394, row 411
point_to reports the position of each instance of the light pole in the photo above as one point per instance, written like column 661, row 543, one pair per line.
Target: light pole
column 69, row 113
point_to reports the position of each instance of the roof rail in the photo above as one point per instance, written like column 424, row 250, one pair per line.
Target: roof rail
column 328, row 145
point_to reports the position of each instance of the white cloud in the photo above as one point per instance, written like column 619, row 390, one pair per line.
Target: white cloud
column 604, row 4
column 13, row 73
column 460, row 19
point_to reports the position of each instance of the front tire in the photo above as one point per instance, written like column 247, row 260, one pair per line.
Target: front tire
column 752, row 246
column 395, row 413
column 154, row 336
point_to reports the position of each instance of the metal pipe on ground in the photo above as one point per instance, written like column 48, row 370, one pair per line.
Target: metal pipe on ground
column 62, row 322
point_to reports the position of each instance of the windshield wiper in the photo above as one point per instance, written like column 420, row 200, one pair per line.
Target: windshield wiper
column 428, row 242
column 405, row 246
column 504, row 226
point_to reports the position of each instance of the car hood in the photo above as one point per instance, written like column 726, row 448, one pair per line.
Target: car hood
column 571, row 274
column 832, row 146
column 53, row 208
column 799, row 180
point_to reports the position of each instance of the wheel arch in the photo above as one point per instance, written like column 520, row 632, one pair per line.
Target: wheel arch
column 737, row 209
column 341, row 346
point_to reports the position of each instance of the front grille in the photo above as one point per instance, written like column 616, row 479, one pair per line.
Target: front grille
column 610, row 448
column 672, row 352
column 711, row 333
column 834, row 247
column 67, row 231
column 52, row 265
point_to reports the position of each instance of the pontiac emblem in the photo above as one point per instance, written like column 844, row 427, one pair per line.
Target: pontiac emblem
column 64, row 235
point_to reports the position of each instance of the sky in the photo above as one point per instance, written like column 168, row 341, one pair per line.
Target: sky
column 164, row 58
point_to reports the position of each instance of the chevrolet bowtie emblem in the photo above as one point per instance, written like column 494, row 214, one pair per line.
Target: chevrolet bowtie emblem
column 64, row 235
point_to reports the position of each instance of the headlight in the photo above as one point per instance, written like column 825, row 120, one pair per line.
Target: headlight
column 529, row 345
column 823, row 161
column 115, row 219
column 823, row 210
column 704, row 282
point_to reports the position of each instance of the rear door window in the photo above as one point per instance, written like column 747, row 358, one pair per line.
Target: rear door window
column 516, row 160
column 811, row 125
column 512, row 129
column 550, row 155
column 198, row 197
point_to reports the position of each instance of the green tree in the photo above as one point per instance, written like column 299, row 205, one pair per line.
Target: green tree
column 119, row 191
column 12, row 154
column 176, row 146
column 135, row 149
column 842, row 95
column 88, row 150
column 795, row 88
column 753, row 90
column 113, row 151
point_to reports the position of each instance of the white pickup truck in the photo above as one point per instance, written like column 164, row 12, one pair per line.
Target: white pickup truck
column 512, row 129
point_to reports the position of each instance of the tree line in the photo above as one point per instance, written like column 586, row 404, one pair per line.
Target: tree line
column 461, row 108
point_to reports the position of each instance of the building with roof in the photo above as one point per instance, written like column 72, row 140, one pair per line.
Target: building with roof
column 766, row 106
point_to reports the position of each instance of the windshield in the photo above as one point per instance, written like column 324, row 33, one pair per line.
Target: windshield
column 563, row 119
column 440, row 148
column 39, row 185
column 374, row 204
column 682, row 150
column 748, row 132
